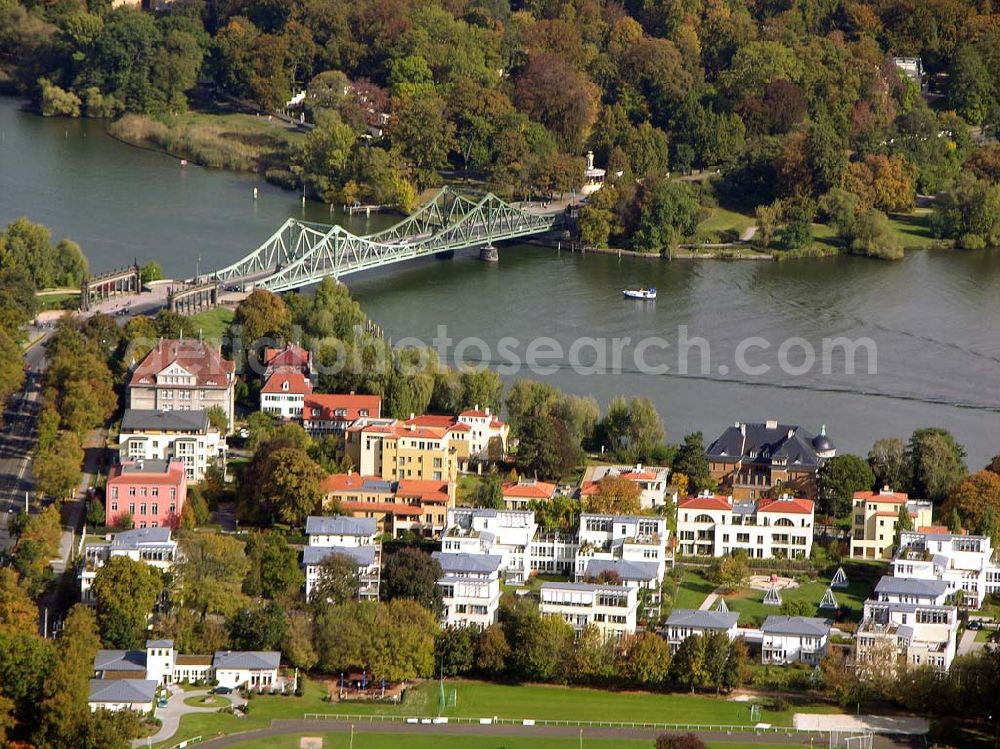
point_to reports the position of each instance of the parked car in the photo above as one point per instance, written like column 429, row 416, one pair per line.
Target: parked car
column 974, row 624
column 223, row 690
column 162, row 702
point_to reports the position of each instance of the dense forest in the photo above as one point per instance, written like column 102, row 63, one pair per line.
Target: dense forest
column 798, row 105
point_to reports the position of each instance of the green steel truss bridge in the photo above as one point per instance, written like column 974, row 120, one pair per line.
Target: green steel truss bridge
column 301, row 253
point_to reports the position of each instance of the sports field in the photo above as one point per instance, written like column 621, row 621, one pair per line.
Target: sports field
column 476, row 699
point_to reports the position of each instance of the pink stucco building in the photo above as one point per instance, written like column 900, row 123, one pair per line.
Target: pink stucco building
column 152, row 492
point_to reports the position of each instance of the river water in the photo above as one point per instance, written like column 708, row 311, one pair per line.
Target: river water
column 932, row 319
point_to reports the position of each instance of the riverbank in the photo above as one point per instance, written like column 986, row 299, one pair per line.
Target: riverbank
column 217, row 138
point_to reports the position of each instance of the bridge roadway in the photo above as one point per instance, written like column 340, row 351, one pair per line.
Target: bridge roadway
column 300, row 253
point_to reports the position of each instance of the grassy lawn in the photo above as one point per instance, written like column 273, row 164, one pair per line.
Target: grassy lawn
column 482, row 699
column 58, row 300
column 727, row 224
column 416, row 741
column 912, row 229
column 983, row 635
column 750, row 603
column 466, row 489
column 213, row 323
column 693, row 590
column 206, row 700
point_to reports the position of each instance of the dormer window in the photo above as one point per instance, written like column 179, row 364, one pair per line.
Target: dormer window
column 284, row 385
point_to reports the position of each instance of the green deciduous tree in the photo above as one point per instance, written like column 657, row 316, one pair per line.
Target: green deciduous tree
column 411, row 573
column 125, row 591
column 58, row 468
column 274, row 569
column 209, row 578
column 936, row 461
column 839, row 478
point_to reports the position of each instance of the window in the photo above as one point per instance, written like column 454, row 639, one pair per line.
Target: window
column 156, row 509
column 131, row 508
column 114, row 492
column 142, row 509
column 131, row 491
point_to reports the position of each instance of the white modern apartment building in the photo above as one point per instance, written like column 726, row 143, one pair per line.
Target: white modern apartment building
column 470, row 586
column 894, row 634
column 684, row 623
column 612, row 609
column 653, row 482
column 714, row 526
column 632, row 538
column 787, row 639
column 186, row 436
column 504, row 533
column 964, row 562
column 554, row 553
column 154, row 546
column 352, row 537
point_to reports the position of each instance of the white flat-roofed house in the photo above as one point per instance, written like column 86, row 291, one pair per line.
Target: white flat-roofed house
column 632, row 538
column 367, row 558
column 121, row 694
column 470, row 586
column 341, row 530
column 964, row 562
column 653, row 482
column 554, row 552
column 894, row 634
column 909, row 590
column 611, row 608
column 787, row 639
column 714, row 525
column 186, row 436
column 255, row 669
column 154, row 546
column 684, row 623
column 643, row 576
column 351, row 536
column 506, row 533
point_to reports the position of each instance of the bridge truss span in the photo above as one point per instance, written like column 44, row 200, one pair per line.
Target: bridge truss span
column 300, row 253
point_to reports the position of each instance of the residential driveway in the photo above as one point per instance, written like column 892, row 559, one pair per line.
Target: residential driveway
column 170, row 716
column 968, row 644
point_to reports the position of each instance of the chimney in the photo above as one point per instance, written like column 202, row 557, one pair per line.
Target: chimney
column 412, row 415
column 350, row 472
column 743, row 428
column 790, row 433
column 488, row 411
column 638, row 467
column 771, row 424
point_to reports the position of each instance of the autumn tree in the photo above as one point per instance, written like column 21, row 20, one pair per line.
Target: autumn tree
column 58, row 468
column 18, row 613
column 973, row 498
column 560, row 97
column 882, row 182
column 614, row 495
column 274, row 568
column 261, row 319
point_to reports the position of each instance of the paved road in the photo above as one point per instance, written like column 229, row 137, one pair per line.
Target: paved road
column 315, row 728
column 17, row 441
column 170, row 716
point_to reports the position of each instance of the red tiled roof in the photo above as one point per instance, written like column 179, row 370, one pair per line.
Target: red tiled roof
column 529, row 489
column 347, row 482
column 795, row 506
column 297, row 383
column 199, row 358
column 937, row 530
column 432, row 420
column 894, row 497
column 400, row 509
column 422, row 489
column 290, row 356
column 330, row 403
column 588, row 488
column 714, row 502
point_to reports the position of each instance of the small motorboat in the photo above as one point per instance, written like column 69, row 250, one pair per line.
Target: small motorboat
column 640, row 293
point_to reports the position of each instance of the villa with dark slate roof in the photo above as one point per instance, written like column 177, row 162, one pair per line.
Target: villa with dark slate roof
column 758, row 460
